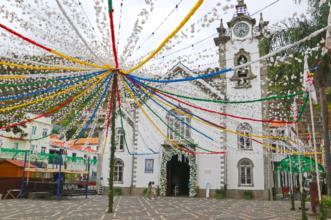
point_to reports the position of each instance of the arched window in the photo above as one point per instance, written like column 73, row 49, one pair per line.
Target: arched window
column 118, row 172
column 179, row 125
column 244, row 138
column 243, row 75
column 245, row 170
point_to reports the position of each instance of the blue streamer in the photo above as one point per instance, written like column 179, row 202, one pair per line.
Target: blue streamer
column 179, row 119
column 176, row 106
column 51, row 89
column 82, row 132
column 204, row 76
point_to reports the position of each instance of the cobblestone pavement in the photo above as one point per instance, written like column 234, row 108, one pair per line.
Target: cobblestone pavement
column 140, row 208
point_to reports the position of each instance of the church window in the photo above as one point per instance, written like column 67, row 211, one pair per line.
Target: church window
column 118, row 172
column 120, row 139
column 244, row 136
column 245, row 167
column 178, row 125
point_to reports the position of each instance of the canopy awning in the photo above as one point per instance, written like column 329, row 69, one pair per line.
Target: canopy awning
column 300, row 164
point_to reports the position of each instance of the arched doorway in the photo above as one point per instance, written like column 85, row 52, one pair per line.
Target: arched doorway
column 178, row 176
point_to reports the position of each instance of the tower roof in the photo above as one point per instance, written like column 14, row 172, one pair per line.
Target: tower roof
column 241, row 8
column 241, row 14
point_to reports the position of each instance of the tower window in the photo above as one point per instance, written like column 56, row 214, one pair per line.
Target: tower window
column 243, row 75
column 244, row 136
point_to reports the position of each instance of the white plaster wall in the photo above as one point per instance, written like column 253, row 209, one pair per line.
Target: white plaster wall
column 40, row 123
column 123, row 155
column 208, row 166
column 253, row 110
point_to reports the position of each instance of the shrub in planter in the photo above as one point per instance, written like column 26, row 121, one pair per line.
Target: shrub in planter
column 117, row 191
column 146, row 192
column 220, row 194
column 325, row 208
column 248, row 195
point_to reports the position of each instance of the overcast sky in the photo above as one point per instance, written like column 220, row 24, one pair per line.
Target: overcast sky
column 148, row 14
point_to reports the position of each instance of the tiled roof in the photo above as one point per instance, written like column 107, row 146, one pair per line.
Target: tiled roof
column 19, row 163
column 90, row 141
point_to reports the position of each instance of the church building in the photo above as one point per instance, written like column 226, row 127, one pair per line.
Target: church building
column 154, row 151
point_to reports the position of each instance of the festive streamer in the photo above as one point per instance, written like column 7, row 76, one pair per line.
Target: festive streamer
column 78, row 33
column 97, row 107
column 12, row 77
column 225, row 114
column 174, row 130
column 75, row 60
column 22, row 66
column 112, row 30
column 225, row 101
column 50, row 89
column 203, row 76
column 180, row 110
column 47, row 80
column 44, row 98
column 55, row 109
column 173, row 143
column 169, row 112
column 165, row 41
column 110, row 108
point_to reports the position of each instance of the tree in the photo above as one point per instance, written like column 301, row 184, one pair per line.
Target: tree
column 318, row 57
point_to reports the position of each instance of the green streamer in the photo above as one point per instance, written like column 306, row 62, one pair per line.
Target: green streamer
column 228, row 102
column 174, row 130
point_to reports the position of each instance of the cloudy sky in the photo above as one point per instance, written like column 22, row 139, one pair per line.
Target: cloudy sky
column 135, row 21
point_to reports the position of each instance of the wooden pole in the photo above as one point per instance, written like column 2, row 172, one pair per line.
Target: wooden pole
column 315, row 147
column 113, row 147
column 324, row 112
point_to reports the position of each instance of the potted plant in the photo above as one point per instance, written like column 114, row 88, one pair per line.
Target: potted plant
column 248, row 195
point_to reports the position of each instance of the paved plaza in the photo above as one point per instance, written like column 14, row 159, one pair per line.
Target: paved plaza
column 168, row 208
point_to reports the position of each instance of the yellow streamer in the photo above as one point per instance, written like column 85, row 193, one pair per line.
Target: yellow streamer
column 81, row 61
column 267, row 146
column 22, row 66
column 148, row 117
column 50, row 96
column 165, row 41
column 13, row 77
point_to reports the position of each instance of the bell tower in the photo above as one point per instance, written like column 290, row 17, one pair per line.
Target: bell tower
column 239, row 44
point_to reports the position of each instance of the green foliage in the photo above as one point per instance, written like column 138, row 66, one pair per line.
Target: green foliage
column 326, row 201
column 248, row 195
column 146, row 192
column 117, row 191
column 220, row 194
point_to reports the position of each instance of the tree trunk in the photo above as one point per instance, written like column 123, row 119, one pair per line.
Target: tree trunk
column 113, row 147
column 326, row 138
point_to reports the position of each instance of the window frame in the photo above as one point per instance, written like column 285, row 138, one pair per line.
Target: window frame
column 118, row 171
column 244, row 142
column 248, row 167
column 176, row 125
column 151, row 167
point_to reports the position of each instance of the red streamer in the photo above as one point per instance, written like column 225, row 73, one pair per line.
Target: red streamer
column 55, row 109
column 112, row 30
column 223, row 114
column 25, row 38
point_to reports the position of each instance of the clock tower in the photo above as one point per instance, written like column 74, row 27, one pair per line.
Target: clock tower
column 246, row 164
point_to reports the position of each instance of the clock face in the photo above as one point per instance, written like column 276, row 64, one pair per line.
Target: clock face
column 241, row 29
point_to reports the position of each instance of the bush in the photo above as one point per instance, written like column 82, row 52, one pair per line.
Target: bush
column 325, row 208
column 117, row 191
column 220, row 194
column 248, row 195
column 146, row 192
column 326, row 201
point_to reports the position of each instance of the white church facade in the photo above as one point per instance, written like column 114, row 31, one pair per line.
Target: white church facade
column 160, row 152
